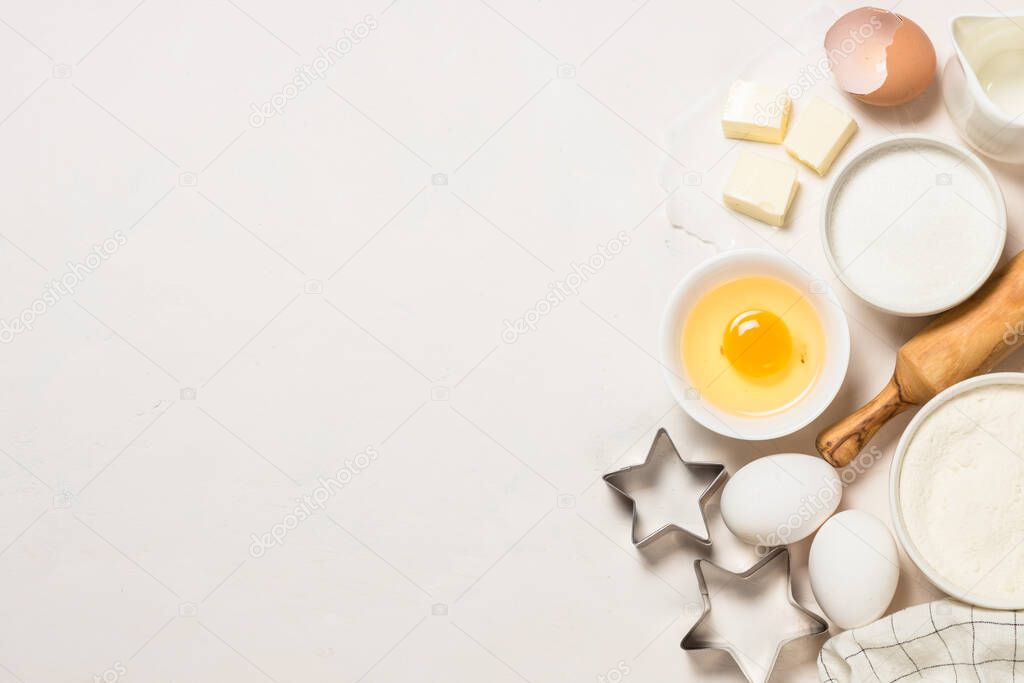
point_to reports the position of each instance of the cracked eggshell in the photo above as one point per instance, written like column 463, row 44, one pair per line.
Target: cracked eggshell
column 854, row 568
column 880, row 57
column 780, row 499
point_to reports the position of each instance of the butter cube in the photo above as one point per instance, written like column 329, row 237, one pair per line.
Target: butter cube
column 819, row 134
column 762, row 188
column 755, row 112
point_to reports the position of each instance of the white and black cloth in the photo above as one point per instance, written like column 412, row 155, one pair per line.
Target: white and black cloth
column 936, row 642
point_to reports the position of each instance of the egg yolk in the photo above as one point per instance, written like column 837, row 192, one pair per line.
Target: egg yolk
column 757, row 343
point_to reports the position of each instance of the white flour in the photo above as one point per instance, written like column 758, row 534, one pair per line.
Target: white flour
column 962, row 491
column 913, row 228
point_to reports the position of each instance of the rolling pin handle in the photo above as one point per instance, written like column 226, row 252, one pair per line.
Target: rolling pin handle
column 840, row 443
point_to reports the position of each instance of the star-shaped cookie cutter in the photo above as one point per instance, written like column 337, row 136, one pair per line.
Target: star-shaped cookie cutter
column 694, row 640
column 661, row 447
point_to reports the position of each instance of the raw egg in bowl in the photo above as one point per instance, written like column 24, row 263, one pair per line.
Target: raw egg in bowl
column 753, row 346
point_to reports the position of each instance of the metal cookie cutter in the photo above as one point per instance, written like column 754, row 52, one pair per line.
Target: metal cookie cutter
column 763, row 622
column 704, row 478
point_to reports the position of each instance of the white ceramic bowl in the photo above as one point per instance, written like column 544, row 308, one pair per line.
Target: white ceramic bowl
column 728, row 266
column 970, row 162
column 896, row 471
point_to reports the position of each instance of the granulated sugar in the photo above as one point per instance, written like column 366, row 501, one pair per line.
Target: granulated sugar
column 914, row 227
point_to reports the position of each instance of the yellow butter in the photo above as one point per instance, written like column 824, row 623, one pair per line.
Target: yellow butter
column 761, row 188
column 755, row 112
column 819, row 134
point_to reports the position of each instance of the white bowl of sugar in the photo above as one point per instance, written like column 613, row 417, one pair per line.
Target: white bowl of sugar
column 913, row 225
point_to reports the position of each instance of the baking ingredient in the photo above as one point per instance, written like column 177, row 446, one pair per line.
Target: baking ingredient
column 753, row 346
column 1002, row 78
column 756, row 112
column 880, row 57
column 757, row 343
column 962, row 491
column 762, row 188
column 819, row 134
column 854, row 568
column 983, row 83
column 914, row 229
column 780, row 499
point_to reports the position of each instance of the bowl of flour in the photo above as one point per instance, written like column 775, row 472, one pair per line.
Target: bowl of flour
column 957, row 491
column 913, row 225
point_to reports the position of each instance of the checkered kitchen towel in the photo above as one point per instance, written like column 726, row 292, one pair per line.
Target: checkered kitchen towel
column 935, row 642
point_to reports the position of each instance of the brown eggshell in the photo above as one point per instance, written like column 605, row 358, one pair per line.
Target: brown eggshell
column 880, row 57
column 856, row 45
column 910, row 67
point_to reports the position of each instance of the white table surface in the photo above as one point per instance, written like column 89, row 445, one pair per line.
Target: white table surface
column 334, row 282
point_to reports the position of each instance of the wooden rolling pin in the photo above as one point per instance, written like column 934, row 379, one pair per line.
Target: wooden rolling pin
column 967, row 340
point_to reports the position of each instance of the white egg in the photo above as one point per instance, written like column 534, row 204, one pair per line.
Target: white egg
column 854, row 568
column 780, row 499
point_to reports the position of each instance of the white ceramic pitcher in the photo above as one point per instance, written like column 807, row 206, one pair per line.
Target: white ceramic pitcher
column 983, row 83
